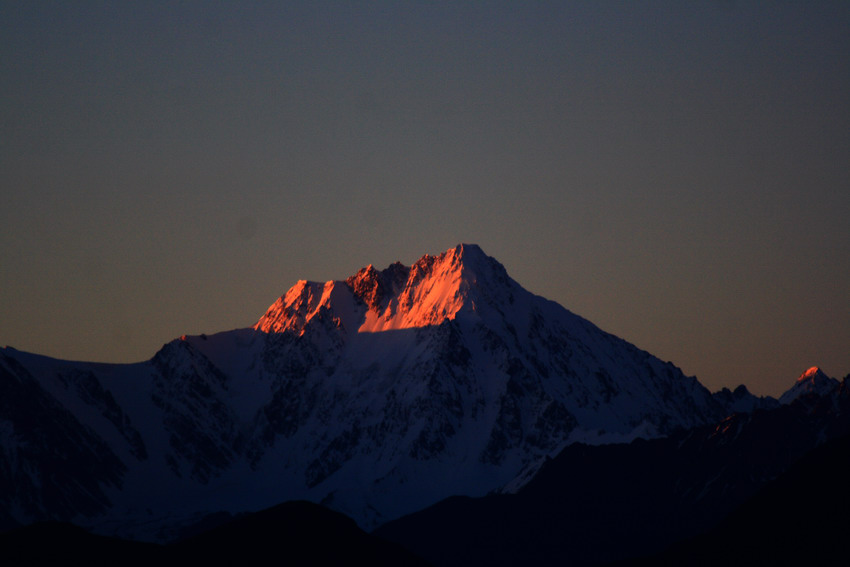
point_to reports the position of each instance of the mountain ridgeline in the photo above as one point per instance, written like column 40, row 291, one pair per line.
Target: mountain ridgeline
column 376, row 396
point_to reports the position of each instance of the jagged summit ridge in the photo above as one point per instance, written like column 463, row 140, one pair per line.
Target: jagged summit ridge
column 432, row 290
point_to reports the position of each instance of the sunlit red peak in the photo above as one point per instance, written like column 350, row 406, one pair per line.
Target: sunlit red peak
column 812, row 380
column 810, row 374
column 433, row 289
column 457, row 265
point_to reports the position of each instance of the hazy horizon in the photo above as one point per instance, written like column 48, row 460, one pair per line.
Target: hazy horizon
column 677, row 174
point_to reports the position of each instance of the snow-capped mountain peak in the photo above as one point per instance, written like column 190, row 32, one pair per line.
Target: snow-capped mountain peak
column 812, row 380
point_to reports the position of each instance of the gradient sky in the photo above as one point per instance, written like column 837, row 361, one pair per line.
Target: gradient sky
column 676, row 172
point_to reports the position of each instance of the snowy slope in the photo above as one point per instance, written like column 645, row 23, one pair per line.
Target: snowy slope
column 377, row 395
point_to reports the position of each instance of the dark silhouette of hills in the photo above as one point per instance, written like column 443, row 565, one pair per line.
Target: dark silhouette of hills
column 293, row 533
column 300, row 532
column 60, row 544
column 596, row 504
column 801, row 518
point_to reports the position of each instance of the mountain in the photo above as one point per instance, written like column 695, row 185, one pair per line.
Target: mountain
column 812, row 380
column 376, row 396
column 591, row 505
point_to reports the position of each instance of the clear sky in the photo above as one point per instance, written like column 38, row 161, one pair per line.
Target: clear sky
column 676, row 172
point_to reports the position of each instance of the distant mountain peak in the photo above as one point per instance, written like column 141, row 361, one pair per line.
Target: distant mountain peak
column 811, row 374
column 812, row 381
